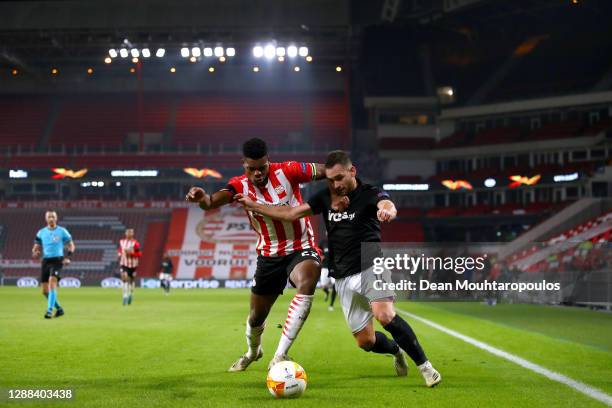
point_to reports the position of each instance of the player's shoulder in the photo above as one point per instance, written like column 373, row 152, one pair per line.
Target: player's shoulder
column 372, row 189
column 237, row 181
column 289, row 164
column 274, row 166
column 41, row 231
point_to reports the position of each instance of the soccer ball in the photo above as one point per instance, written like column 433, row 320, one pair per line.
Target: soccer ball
column 286, row 379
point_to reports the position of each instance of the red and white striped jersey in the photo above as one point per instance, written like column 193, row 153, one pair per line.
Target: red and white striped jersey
column 279, row 238
column 129, row 260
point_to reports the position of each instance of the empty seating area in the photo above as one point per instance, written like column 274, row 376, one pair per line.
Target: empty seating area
column 106, row 120
column 23, row 120
column 584, row 247
column 96, row 234
column 281, row 119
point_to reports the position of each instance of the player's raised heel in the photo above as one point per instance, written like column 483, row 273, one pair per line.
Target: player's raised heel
column 59, row 313
column 431, row 375
column 401, row 367
column 244, row 361
column 277, row 359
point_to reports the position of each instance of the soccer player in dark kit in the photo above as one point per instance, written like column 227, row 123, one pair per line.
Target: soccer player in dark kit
column 352, row 212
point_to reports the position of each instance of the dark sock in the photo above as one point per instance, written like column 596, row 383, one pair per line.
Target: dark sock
column 404, row 336
column 333, row 297
column 384, row 345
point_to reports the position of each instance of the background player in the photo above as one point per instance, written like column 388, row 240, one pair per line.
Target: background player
column 165, row 274
column 50, row 242
column 129, row 254
column 349, row 222
column 285, row 249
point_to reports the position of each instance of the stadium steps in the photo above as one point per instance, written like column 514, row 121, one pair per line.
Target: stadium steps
column 576, row 213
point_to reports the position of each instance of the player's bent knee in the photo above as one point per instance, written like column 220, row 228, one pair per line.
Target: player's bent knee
column 384, row 317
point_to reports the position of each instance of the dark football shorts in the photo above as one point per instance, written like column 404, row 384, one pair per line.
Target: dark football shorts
column 51, row 267
column 129, row 271
column 272, row 273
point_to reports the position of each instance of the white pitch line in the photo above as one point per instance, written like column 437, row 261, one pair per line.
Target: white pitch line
column 552, row 375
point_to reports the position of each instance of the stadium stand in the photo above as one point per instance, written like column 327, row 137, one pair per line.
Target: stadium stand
column 107, row 119
column 23, row 120
column 95, row 236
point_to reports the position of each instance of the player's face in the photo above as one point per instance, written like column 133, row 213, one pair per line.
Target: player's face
column 51, row 218
column 129, row 233
column 341, row 179
column 257, row 170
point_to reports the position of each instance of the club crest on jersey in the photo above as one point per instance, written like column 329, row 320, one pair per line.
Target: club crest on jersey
column 279, row 189
column 337, row 217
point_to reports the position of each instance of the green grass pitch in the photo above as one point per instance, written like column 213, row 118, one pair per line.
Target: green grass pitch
column 174, row 352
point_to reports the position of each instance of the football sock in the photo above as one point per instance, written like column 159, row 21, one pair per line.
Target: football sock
column 51, row 300
column 333, row 296
column 384, row 345
column 404, row 336
column 253, row 338
column 299, row 308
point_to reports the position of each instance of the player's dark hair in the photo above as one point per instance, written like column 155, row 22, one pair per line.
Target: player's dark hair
column 338, row 157
column 254, row 148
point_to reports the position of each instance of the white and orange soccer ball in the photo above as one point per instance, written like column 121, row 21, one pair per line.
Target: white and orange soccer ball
column 286, row 379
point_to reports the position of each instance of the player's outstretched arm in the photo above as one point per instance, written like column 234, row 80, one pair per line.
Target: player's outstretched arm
column 320, row 171
column 386, row 211
column 280, row 212
column 206, row 201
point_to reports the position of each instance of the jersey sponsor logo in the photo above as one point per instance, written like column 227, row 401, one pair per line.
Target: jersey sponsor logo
column 337, row 217
column 111, row 283
column 70, row 283
column 27, row 282
column 279, row 189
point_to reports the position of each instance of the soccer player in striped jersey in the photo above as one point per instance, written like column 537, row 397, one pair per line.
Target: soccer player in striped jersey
column 286, row 250
column 129, row 254
column 353, row 212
